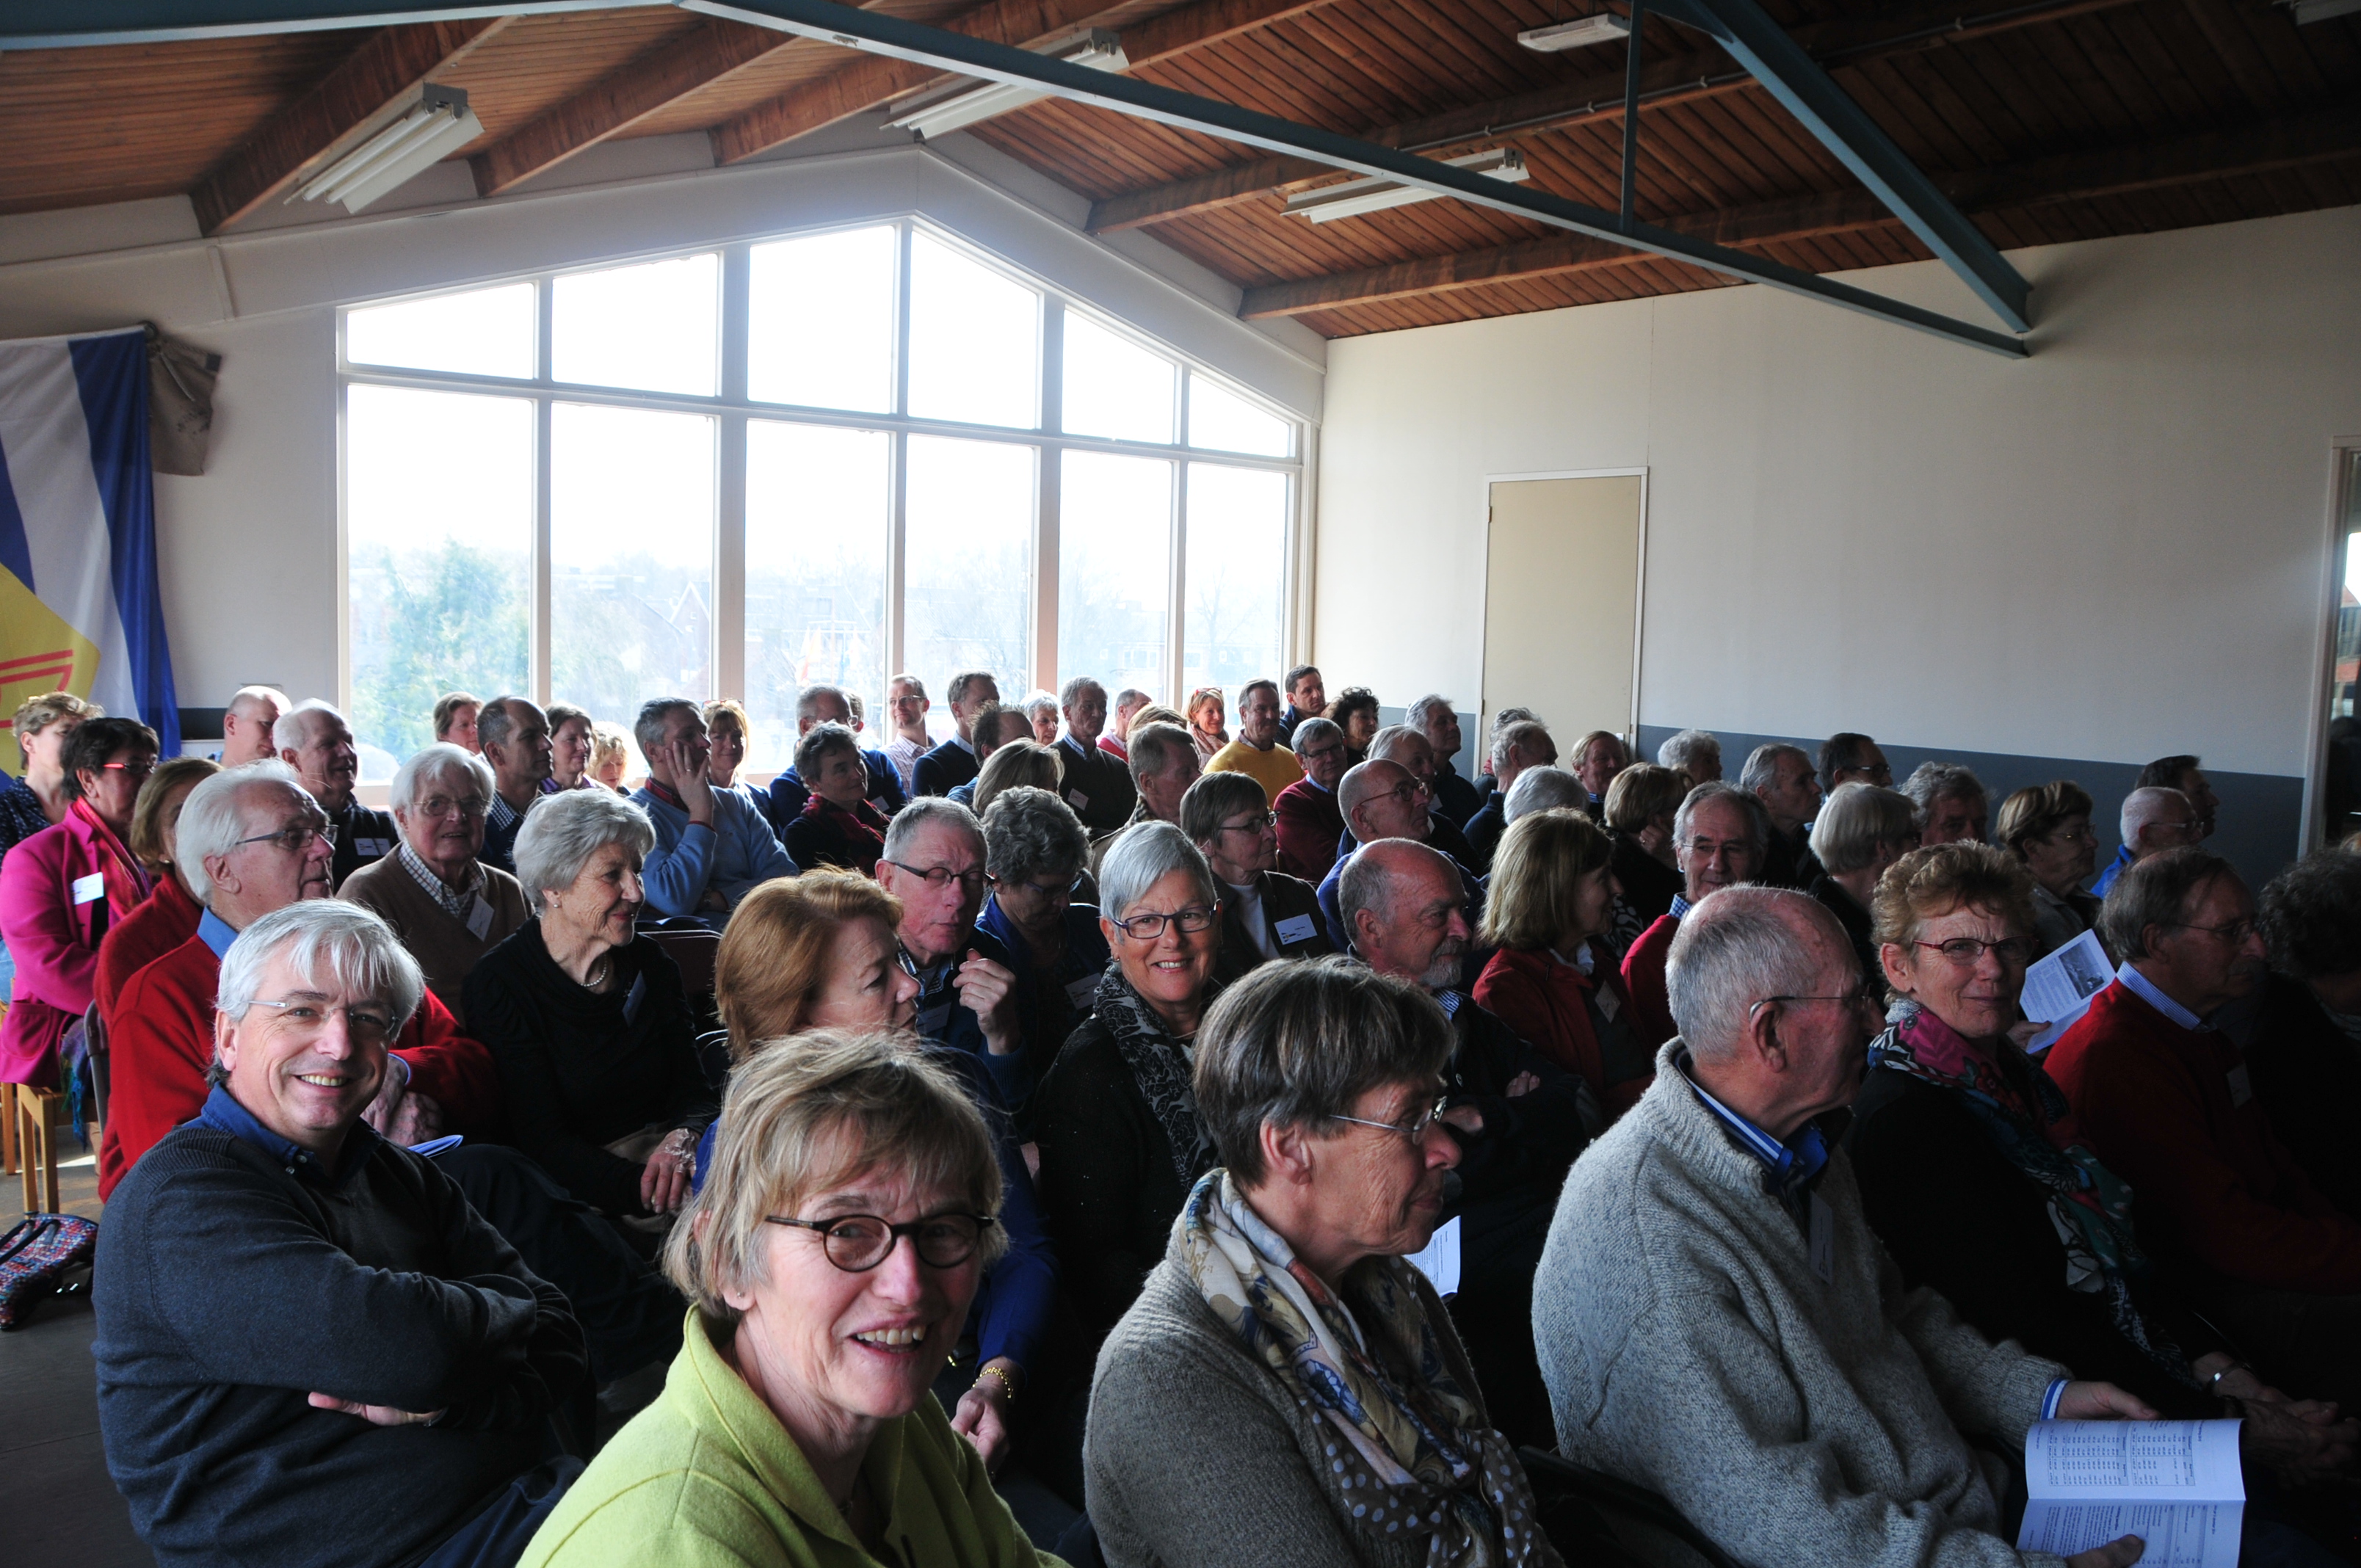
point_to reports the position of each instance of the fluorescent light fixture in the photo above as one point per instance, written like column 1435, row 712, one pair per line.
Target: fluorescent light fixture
column 439, row 126
column 947, row 109
column 1372, row 194
column 1581, row 33
column 2310, row 11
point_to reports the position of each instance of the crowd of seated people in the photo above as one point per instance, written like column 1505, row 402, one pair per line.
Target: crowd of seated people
column 1166, row 1045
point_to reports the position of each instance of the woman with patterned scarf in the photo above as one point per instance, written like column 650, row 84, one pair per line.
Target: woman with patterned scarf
column 1288, row 1388
column 1972, row 1176
column 838, row 825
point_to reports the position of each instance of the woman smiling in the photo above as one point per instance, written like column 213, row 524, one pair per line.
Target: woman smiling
column 848, row 1218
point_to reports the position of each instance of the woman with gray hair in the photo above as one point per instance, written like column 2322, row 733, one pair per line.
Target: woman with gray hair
column 797, row 1425
column 1288, row 1387
column 1034, row 847
column 448, row 909
column 1861, row 829
column 587, row 1017
column 1114, row 1117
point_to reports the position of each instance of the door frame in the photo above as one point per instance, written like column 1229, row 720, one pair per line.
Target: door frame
column 2342, row 451
column 1638, row 588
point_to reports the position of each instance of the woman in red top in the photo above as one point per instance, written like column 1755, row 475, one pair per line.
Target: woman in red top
column 63, row 887
column 1554, row 980
column 169, row 916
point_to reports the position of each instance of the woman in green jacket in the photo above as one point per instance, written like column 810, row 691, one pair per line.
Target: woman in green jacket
column 842, row 1229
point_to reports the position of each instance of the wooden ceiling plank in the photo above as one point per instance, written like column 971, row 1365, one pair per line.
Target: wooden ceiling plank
column 2105, row 49
column 871, row 80
column 2086, row 177
column 366, row 89
column 1981, row 123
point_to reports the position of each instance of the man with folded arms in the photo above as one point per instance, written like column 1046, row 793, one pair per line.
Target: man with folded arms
column 310, row 1348
column 1716, row 1321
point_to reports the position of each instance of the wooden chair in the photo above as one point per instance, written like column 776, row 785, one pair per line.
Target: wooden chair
column 38, row 1116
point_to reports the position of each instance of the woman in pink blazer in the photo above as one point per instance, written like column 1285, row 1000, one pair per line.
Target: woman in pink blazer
column 61, row 888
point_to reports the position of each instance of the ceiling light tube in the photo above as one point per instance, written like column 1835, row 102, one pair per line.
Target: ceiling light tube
column 440, row 124
column 946, row 110
column 1355, row 197
column 1580, row 33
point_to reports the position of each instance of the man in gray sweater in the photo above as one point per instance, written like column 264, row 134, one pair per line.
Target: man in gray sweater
column 1716, row 1320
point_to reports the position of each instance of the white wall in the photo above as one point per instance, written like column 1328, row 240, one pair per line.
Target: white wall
column 249, row 551
column 2115, row 550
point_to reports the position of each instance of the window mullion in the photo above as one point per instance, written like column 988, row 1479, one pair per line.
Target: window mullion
column 546, row 316
column 729, row 492
column 1049, row 472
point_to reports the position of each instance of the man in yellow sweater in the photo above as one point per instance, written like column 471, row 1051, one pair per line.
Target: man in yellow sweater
column 1256, row 752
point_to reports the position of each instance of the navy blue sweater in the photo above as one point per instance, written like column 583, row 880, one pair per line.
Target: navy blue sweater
column 233, row 1281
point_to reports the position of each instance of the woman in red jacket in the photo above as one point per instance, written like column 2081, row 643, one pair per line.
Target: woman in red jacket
column 63, row 887
column 1554, row 981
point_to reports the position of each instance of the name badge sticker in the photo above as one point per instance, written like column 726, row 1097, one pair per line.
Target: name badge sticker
column 479, row 919
column 1300, row 928
column 1824, row 1240
column 1078, row 800
column 90, row 889
column 2242, row 1088
column 1081, row 992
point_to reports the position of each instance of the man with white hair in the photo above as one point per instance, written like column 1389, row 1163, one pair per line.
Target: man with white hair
column 1718, row 1322
column 1518, row 745
column 1719, row 837
column 1383, row 800
column 246, row 723
column 1598, row 757
column 954, row 762
column 314, row 739
column 1401, row 743
column 2154, row 819
column 513, row 736
column 934, row 864
column 448, row 908
column 712, row 848
column 1097, row 783
column 1311, row 823
column 310, row 1347
column 1519, row 1119
column 1785, row 780
column 1696, row 752
column 1456, row 798
column 822, row 704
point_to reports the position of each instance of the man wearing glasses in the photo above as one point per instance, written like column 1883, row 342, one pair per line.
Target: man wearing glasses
column 1718, row 1322
column 967, row 983
column 2164, row 1100
column 310, row 1347
column 1381, row 800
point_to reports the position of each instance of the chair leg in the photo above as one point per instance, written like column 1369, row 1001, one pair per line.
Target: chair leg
column 22, row 1113
column 8, row 1129
column 41, row 1112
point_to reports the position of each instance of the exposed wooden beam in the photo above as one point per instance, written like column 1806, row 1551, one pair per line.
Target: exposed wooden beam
column 371, row 84
column 1706, row 73
column 697, row 59
column 874, row 80
column 2073, row 177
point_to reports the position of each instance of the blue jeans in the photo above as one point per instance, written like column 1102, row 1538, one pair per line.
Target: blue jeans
column 499, row 1534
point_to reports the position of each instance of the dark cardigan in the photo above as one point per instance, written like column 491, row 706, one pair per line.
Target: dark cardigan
column 2307, row 1074
column 583, row 1067
column 1108, row 1189
column 1956, row 1215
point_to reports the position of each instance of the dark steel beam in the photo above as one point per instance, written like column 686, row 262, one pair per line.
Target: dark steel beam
column 1773, row 59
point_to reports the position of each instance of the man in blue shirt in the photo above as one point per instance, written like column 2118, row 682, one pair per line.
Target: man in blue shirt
column 2154, row 819
column 712, row 848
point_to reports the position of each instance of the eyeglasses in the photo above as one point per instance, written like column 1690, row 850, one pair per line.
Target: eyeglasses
column 1322, row 755
column 1251, row 824
column 2233, row 933
column 1414, row 1129
column 363, row 1022
column 443, row 805
column 1147, row 927
column 940, row 877
column 1966, row 951
column 1052, row 891
column 1409, row 794
column 2073, row 836
column 858, row 1243
column 294, row 839
column 1858, row 996
column 139, row 769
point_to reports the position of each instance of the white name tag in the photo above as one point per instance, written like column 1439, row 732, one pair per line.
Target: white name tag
column 379, row 847
column 1078, row 800
column 1300, row 928
column 90, row 889
column 1824, row 1240
column 479, row 919
column 2242, row 1088
column 1082, row 994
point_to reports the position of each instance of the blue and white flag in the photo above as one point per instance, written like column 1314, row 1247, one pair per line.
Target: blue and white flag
column 79, row 605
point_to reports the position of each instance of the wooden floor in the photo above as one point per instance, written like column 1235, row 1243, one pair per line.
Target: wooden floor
column 54, row 1491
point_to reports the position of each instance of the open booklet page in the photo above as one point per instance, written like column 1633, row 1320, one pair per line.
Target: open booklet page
column 2176, row 1484
column 2058, row 988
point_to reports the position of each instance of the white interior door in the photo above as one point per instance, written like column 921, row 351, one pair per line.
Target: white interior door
column 1562, row 602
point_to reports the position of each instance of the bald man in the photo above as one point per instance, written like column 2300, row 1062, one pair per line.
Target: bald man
column 1381, row 800
column 246, row 725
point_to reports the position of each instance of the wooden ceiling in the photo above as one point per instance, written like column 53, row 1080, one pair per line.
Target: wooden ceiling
column 2045, row 120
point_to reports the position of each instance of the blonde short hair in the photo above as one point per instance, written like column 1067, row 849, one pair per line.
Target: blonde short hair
column 725, row 707
column 1641, row 793
column 147, row 810
column 609, row 744
column 776, row 953
column 799, row 1120
column 38, row 713
column 1017, row 764
column 1529, row 898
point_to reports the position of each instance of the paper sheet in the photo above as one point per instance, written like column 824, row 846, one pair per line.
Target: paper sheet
column 2176, row 1484
column 1440, row 1261
column 2058, row 988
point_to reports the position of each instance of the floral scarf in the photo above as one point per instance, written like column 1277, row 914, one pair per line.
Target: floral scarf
column 1161, row 1068
column 863, row 826
column 2025, row 1116
column 1428, row 1464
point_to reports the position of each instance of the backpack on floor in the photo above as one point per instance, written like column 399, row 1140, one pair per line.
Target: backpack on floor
column 35, row 1255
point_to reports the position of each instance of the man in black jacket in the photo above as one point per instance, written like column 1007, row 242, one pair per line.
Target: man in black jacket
column 954, row 762
column 1519, row 1119
column 310, row 1350
column 314, row 739
column 1097, row 785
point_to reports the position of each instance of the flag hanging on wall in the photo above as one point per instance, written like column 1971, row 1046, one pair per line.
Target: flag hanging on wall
column 79, row 605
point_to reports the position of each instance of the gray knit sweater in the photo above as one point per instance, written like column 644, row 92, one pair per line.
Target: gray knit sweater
column 1197, row 1454
column 1690, row 1346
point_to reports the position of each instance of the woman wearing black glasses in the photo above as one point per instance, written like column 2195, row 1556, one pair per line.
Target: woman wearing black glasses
column 1120, row 1140
column 844, row 1224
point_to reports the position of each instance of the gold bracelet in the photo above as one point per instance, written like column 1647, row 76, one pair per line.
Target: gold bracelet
column 1007, row 1382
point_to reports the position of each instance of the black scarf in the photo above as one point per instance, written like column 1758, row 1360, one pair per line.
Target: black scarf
column 1161, row 1068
